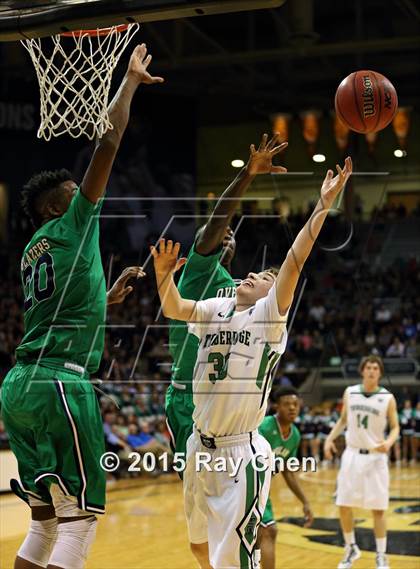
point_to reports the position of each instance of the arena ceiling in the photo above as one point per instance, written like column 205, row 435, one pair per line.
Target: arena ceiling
column 293, row 56
column 284, row 58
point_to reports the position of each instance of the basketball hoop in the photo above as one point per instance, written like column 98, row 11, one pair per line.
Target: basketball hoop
column 74, row 80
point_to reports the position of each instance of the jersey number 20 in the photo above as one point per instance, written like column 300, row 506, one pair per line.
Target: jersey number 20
column 32, row 278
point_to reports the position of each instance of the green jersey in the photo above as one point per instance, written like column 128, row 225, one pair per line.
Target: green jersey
column 203, row 277
column 64, row 288
column 281, row 447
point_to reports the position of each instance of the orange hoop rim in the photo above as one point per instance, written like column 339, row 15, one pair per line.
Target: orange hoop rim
column 98, row 32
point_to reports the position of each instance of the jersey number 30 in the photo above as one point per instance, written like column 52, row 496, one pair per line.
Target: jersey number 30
column 35, row 285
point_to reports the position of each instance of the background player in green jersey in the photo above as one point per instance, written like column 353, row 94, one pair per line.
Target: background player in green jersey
column 48, row 404
column 284, row 439
column 205, row 275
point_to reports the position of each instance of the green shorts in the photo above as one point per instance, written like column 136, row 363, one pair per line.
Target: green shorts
column 179, row 408
column 53, row 420
column 268, row 518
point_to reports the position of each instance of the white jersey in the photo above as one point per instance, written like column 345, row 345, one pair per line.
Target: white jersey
column 366, row 417
column 236, row 358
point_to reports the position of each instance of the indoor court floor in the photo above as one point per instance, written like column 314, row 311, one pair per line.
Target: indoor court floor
column 145, row 529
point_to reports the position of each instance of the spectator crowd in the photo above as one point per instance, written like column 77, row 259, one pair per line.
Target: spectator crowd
column 351, row 306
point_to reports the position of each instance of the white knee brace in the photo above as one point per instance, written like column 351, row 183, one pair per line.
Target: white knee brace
column 73, row 543
column 39, row 542
column 75, row 537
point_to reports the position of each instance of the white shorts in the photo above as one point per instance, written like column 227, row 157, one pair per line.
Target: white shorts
column 363, row 480
column 226, row 510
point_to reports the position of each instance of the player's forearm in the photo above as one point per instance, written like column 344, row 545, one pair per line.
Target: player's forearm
column 119, row 108
column 293, row 484
column 307, row 236
column 394, row 433
column 337, row 430
column 173, row 305
column 297, row 255
column 215, row 228
column 99, row 170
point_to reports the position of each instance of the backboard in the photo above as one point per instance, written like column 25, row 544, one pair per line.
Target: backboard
column 23, row 19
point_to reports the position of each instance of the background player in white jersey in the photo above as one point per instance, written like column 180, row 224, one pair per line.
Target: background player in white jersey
column 240, row 342
column 363, row 480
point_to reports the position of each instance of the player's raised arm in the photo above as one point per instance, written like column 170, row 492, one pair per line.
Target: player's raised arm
column 99, row 169
column 291, row 268
column 260, row 162
column 166, row 263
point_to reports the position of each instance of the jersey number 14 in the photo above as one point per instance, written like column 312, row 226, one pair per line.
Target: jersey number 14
column 362, row 421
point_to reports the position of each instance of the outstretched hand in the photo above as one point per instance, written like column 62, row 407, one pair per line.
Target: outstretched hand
column 119, row 290
column 166, row 257
column 333, row 185
column 261, row 160
column 138, row 64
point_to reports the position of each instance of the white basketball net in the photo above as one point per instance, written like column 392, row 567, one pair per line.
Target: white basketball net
column 74, row 82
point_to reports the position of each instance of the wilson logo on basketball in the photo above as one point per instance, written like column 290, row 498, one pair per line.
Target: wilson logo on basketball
column 388, row 99
column 368, row 99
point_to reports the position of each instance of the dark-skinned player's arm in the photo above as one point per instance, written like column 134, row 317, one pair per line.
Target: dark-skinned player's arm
column 291, row 268
column 260, row 162
column 294, row 485
column 166, row 262
column 329, row 446
column 96, row 178
column 394, row 427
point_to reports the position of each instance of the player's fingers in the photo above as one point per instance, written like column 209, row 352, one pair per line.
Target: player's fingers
column 140, row 51
column 263, row 142
column 157, row 79
column 279, row 148
column 153, row 251
column 147, row 61
column 278, row 170
column 180, row 263
column 272, row 142
column 127, row 291
column 131, row 272
column 169, row 246
column 308, row 522
column 162, row 247
column 348, row 166
column 176, row 249
column 252, row 149
column 339, row 170
column 328, row 176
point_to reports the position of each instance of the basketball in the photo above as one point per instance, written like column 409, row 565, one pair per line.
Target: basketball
column 366, row 101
